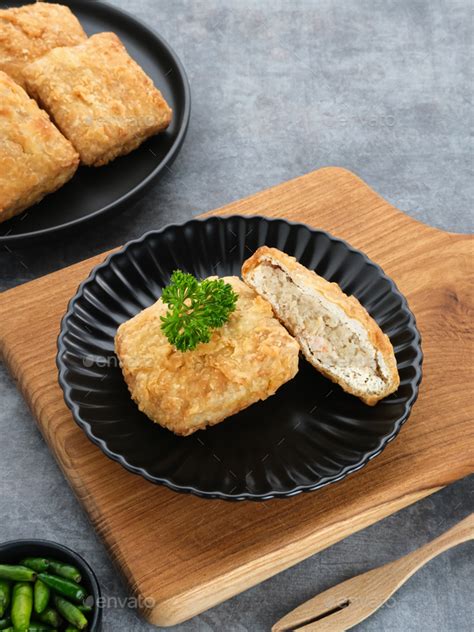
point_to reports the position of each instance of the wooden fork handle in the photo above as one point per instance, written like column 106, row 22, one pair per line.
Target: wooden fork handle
column 462, row 532
column 379, row 584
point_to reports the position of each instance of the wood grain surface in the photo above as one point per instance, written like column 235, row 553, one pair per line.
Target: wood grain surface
column 184, row 554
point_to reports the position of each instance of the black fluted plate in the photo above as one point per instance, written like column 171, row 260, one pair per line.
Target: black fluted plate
column 97, row 192
column 309, row 434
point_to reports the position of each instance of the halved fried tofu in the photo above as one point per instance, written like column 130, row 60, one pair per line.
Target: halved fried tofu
column 35, row 158
column 100, row 99
column 335, row 332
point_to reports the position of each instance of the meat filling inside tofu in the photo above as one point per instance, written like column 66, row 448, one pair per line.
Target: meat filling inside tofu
column 337, row 343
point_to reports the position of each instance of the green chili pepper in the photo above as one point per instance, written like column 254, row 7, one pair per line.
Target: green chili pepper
column 38, row 564
column 40, row 627
column 17, row 573
column 83, row 607
column 22, row 605
column 65, row 570
column 71, row 613
column 41, row 594
column 64, row 587
column 51, row 617
column 5, row 594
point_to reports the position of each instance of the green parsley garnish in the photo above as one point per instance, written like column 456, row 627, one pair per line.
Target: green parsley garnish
column 194, row 309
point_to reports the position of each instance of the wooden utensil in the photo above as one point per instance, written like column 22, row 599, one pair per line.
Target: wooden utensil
column 352, row 601
column 182, row 555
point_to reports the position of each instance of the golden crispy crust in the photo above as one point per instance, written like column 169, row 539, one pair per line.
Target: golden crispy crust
column 100, row 99
column 333, row 293
column 246, row 360
column 29, row 32
column 35, row 158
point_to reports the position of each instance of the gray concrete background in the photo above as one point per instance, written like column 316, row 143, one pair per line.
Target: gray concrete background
column 382, row 87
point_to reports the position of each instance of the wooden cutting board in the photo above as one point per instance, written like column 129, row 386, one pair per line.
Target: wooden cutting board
column 181, row 554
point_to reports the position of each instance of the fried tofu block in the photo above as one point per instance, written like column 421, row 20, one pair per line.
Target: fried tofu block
column 29, row 32
column 336, row 333
column 245, row 361
column 35, row 158
column 100, row 98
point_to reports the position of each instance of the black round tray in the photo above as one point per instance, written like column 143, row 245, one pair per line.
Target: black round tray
column 94, row 193
column 309, row 434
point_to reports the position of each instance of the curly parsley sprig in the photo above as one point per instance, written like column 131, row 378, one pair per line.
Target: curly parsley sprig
column 195, row 308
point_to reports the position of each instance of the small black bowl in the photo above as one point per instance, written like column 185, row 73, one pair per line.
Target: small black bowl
column 15, row 550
